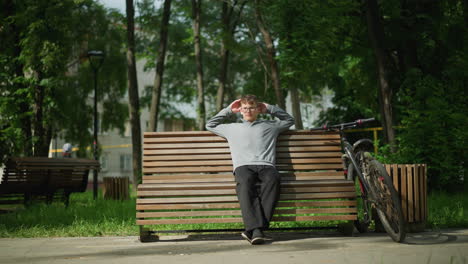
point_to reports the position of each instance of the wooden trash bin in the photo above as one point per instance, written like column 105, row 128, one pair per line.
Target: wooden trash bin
column 410, row 181
column 116, row 188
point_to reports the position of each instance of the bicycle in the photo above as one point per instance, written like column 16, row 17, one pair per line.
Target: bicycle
column 373, row 183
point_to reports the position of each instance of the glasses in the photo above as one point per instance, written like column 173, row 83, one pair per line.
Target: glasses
column 248, row 109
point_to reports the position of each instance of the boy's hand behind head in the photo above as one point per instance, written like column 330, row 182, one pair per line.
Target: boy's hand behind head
column 262, row 108
column 235, row 106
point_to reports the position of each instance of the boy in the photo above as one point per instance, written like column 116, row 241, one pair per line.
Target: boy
column 253, row 150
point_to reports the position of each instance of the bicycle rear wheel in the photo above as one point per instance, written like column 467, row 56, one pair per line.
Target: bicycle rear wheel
column 386, row 201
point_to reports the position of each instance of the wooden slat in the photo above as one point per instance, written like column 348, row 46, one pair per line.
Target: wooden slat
column 178, row 134
column 395, row 177
column 209, row 192
column 309, row 161
column 280, row 167
column 314, row 218
column 404, row 194
column 424, row 192
column 317, row 195
column 187, row 157
column 321, row 203
column 238, row 219
column 296, row 167
column 210, row 139
column 147, row 151
column 295, row 175
column 232, row 191
column 187, row 186
column 333, row 154
column 238, row 212
column 147, row 179
column 186, row 145
column 187, row 169
column 189, row 221
column 170, row 140
column 291, row 137
column 305, row 157
column 233, row 198
column 410, row 194
column 417, row 194
column 307, row 149
column 325, row 189
column 230, row 185
column 228, row 162
column 195, row 206
column 152, row 164
column 211, row 206
column 210, row 134
column 187, row 200
column 205, row 145
column 217, row 156
column 307, row 143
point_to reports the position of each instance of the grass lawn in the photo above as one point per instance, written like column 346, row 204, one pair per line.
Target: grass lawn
column 86, row 217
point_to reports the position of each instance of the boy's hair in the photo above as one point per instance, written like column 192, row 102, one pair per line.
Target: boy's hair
column 249, row 99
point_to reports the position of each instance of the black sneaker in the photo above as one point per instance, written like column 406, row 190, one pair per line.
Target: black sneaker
column 247, row 235
column 257, row 237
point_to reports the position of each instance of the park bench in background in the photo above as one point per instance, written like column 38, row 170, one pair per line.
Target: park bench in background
column 39, row 178
column 187, row 179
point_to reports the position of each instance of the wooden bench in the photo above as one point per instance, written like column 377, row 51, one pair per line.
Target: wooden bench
column 187, row 179
column 40, row 178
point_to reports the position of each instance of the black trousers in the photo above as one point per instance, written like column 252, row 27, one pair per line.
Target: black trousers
column 258, row 188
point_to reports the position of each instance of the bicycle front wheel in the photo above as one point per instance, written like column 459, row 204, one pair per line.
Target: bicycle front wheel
column 386, row 201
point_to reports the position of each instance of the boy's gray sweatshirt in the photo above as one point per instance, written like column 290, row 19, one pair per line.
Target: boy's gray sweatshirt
column 251, row 143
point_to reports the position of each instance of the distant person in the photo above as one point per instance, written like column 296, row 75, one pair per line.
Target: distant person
column 67, row 150
column 252, row 144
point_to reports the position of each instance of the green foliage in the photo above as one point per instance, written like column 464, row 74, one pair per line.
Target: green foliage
column 426, row 48
column 83, row 217
column 434, row 130
column 447, row 210
column 44, row 45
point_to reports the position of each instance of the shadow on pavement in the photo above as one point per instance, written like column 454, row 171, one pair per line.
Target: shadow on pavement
column 429, row 238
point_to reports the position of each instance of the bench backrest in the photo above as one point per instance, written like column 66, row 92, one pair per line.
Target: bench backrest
column 39, row 174
column 193, row 171
column 184, row 155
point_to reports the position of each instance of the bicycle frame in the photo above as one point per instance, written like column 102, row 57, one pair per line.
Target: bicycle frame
column 349, row 154
column 348, row 149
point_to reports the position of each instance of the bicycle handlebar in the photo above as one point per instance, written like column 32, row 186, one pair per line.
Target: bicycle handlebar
column 343, row 125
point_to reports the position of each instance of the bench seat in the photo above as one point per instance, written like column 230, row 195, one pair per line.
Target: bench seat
column 187, row 179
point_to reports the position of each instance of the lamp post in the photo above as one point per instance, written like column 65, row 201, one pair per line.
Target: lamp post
column 96, row 58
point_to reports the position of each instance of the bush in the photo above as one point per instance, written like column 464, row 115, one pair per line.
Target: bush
column 435, row 133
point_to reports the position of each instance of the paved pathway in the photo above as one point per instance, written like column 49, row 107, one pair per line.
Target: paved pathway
column 445, row 246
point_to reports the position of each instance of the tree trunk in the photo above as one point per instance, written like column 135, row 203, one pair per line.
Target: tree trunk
column 40, row 145
column 376, row 37
column 229, row 26
column 271, row 54
column 25, row 120
column 296, row 107
column 196, row 11
column 158, row 79
column 134, row 101
column 226, row 20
